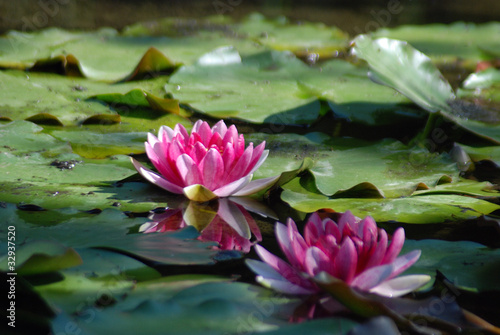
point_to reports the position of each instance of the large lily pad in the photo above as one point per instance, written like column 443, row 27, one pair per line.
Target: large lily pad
column 259, row 89
column 467, row 264
column 25, row 95
column 108, row 56
column 352, row 96
column 217, row 307
column 109, row 229
column 384, row 169
column 308, row 40
column 449, row 42
column 398, row 65
column 414, row 209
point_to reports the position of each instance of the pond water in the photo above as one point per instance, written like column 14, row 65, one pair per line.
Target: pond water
column 100, row 250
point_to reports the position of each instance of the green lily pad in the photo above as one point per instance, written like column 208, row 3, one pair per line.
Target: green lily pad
column 261, row 88
column 483, row 79
column 464, row 187
column 39, row 257
column 467, row 264
column 217, row 307
column 352, row 96
column 480, row 153
column 62, row 98
column 108, row 56
column 387, row 168
column 21, row 137
column 398, row 65
column 109, row 229
column 449, row 42
column 22, row 49
column 304, row 40
column 414, row 209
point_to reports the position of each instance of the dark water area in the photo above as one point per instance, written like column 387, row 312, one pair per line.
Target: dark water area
column 353, row 17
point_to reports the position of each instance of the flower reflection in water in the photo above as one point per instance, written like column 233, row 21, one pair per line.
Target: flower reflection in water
column 223, row 221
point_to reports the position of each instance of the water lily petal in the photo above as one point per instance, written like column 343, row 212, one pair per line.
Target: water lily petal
column 259, row 155
column 156, row 179
column 378, row 254
column 234, row 217
column 316, row 261
column 400, row 286
column 220, row 128
column 283, row 268
column 188, row 170
column 233, row 188
column 256, row 185
column 346, row 261
column 166, row 134
column 398, row 239
column 212, row 169
column 236, row 171
column 404, row 262
column 269, row 277
column 372, row 277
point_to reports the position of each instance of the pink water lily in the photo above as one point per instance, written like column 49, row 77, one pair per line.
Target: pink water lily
column 353, row 250
column 223, row 221
column 206, row 164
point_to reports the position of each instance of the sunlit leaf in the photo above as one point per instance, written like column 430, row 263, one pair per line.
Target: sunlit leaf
column 467, row 264
column 415, row 209
column 398, row 65
column 41, row 256
column 449, row 42
column 260, row 89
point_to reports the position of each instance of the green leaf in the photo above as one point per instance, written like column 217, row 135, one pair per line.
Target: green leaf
column 480, row 153
column 447, row 43
column 467, row 264
column 41, row 96
column 41, row 256
column 304, row 40
column 261, row 88
column 110, row 229
column 387, row 168
column 352, row 96
column 19, row 137
column 483, row 79
column 398, row 65
column 217, row 307
column 415, row 209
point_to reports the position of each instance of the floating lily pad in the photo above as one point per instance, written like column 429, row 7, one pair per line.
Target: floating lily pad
column 467, row 264
column 304, row 40
column 384, row 169
column 480, row 153
column 352, row 96
column 415, row 209
column 179, row 247
column 398, row 65
column 449, row 42
column 21, row 137
column 483, row 79
column 218, row 307
column 260, row 89
column 40, row 257
column 65, row 99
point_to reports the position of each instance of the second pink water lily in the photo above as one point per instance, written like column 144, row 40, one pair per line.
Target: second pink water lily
column 206, row 164
column 352, row 250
